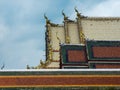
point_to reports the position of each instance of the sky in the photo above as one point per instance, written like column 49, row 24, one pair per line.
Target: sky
column 22, row 26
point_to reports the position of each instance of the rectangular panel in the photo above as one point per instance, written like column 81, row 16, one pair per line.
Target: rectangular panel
column 103, row 50
column 76, row 56
column 105, row 65
column 107, row 52
column 109, row 66
column 73, row 54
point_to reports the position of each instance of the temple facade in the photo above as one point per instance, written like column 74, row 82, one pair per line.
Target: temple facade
column 87, row 42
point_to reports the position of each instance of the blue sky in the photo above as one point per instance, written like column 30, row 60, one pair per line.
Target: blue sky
column 22, row 26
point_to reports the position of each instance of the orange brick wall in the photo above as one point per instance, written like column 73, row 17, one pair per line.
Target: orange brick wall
column 59, row 80
column 107, row 66
column 76, row 56
column 106, row 52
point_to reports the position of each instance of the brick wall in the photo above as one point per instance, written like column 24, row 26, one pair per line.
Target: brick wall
column 107, row 66
column 107, row 52
column 76, row 56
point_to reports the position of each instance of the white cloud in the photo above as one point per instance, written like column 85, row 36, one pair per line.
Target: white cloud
column 106, row 8
column 21, row 38
column 93, row 8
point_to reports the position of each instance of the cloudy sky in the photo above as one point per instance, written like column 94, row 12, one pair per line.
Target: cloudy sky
column 22, row 26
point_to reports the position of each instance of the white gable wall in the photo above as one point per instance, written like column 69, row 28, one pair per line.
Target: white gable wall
column 73, row 33
column 101, row 29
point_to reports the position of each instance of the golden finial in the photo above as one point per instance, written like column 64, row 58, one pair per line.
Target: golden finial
column 47, row 20
column 65, row 17
column 82, row 37
column 78, row 14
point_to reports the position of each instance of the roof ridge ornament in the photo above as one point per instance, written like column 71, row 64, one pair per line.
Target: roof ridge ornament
column 78, row 14
column 65, row 17
column 47, row 20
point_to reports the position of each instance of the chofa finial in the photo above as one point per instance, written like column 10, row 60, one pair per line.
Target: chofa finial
column 65, row 17
column 47, row 20
column 78, row 14
column 76, row 10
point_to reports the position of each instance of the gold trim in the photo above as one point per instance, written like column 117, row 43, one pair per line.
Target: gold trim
column 67, row 38
column 82, row 37
column 81, row 33
column 17, row 86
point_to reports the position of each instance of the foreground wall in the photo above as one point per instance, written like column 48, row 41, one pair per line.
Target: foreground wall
column 57, row 79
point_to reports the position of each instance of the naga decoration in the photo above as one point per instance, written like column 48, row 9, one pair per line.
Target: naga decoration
column 65, row 17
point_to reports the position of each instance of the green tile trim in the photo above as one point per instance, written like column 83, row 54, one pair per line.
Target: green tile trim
column 24, row 73
column 92, row 65
column 90, row 44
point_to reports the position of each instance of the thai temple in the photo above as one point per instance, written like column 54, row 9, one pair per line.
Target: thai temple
column 87, row 42
column 83, row 54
